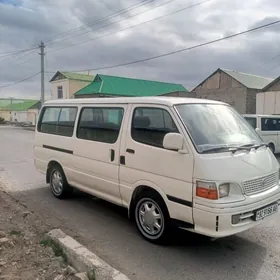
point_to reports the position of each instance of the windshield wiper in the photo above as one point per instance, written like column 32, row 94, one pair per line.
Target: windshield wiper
column 223, row 148
column 255, row 146
column 234, row 149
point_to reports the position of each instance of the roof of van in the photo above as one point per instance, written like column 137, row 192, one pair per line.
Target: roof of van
column 169, row 101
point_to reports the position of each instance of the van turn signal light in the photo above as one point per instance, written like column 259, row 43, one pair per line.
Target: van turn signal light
column 207, row 190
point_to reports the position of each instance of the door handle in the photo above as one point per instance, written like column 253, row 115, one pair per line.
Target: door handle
column 131, row 151
column 112, row 155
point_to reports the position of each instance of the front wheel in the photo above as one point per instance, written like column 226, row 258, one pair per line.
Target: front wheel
column 152, row 218
column 58, row 183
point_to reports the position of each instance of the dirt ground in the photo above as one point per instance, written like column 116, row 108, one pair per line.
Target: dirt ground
column 24, row 254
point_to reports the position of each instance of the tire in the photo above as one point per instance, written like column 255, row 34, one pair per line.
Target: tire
column 58, row 183
column 152, row 218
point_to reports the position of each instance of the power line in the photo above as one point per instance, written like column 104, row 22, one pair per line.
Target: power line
column 5, row 54
column 122, row 11
column 118, row 21
column 26, row 60
column 132, row 26
column 16, row 52
column 17, row 82
column 17, row 58
column 182, row 50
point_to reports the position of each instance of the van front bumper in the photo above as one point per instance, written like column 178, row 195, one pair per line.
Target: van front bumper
column 217, row 222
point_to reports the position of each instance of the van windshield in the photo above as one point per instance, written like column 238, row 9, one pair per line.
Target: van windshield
column 217, row 127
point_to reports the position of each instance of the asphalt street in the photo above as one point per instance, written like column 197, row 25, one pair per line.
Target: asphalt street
column 105, row 229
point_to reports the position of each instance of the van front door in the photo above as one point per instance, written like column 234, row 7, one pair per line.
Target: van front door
column 144, row 161
column 97, row 150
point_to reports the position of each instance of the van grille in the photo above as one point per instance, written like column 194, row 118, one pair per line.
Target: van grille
column 260, row 184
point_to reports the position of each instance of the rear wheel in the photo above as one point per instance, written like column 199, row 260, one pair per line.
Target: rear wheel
column 58, row 183
column 152, row 218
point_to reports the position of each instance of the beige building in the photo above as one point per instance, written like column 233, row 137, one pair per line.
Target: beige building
column 21, row 111
column 65, row 84
column 235, row 88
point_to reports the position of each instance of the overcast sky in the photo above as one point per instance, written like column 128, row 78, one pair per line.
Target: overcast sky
column 24, row 23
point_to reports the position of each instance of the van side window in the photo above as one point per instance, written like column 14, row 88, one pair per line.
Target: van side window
column 100, row 124
column 150, row 125
column 58, row 120
column 252, row 121
column 270, row 124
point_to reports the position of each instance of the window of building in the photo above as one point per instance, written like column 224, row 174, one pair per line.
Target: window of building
column 100, row 124
column 58, row 120
column 150, row 125
column 270, row 124
column 59, row 92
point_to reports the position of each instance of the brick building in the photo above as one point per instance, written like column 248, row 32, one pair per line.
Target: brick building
column 235, row 88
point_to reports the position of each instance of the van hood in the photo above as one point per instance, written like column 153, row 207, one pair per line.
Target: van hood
column 238, row 167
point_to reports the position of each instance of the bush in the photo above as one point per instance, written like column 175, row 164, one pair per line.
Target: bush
column 2, row 120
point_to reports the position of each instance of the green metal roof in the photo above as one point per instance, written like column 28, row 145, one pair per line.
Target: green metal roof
column 78, row 76
column 74, row 76
column 120, row 86
column 248, row 80
column 20, row 106
column 4, row 102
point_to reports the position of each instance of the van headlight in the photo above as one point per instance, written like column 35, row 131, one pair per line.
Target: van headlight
column 224, row 190
column 210, row 190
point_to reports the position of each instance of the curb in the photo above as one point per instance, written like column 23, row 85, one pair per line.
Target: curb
column 82, row 259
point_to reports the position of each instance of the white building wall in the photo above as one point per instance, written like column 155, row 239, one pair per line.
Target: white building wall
column 268, row 103
column 19, row 116
column 65, row 87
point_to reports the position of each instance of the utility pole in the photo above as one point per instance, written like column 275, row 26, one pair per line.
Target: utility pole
column 11, row 108
column 42, row 54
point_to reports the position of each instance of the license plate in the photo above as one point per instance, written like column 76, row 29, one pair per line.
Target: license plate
column 267, row 211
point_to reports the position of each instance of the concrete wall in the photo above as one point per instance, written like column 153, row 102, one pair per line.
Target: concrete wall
column 32, row 116
column 180, row 94
column 251, row 98
column 222, row 87
column 19, row 116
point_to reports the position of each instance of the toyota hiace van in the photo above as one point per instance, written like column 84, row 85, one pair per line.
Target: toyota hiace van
column 192, row 163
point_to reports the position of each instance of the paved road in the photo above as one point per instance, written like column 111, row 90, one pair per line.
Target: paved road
column 104, row 228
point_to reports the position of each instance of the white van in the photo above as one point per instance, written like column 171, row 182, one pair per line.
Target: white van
column 193, row 163
column 268, row 127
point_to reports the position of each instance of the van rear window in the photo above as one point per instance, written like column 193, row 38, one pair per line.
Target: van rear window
column 58, row 120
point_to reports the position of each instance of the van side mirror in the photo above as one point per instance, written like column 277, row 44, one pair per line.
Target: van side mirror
column 174, row 142
column 257, row 129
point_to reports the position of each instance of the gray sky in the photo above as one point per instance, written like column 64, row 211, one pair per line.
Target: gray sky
column 24, row 23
